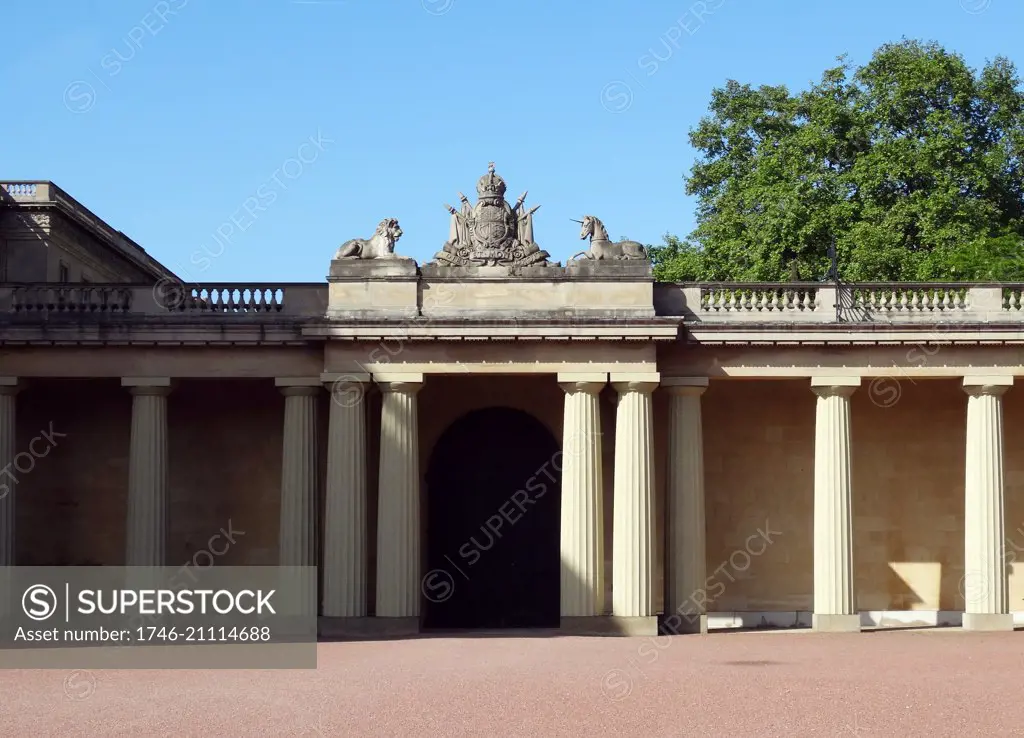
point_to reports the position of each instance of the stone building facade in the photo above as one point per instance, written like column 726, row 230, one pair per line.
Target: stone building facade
column 48, row 236
column 495, row 441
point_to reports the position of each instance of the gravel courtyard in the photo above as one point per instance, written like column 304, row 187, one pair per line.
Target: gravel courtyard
column 941, row 682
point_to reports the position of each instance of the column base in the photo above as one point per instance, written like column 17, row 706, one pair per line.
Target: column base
column 835, row 623
column 676, row 624
column 987, row 621
column 332, row 628
column 609, row 625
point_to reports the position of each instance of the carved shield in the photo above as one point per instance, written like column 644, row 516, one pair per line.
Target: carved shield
column 490, row 228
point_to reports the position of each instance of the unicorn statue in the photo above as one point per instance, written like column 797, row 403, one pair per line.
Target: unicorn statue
column 602, row 248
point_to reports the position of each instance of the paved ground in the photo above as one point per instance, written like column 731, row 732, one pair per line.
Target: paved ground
column 911, row 683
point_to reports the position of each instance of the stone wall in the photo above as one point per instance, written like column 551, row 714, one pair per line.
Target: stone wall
column 908, row 440
column 224, row 471
column 225, row 442
column 1013, row 421
column 759, row 469
column 71, row 506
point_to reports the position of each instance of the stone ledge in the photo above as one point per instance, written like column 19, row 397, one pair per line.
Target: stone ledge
column 470, row 273
column 828, row 623
column 610, row 269
column 369, row 628
column 609, row 625
column 372, row 314
column 562, row 315
column 680, row 624
column 979, row 621
column 399, row 268
column 579, row 270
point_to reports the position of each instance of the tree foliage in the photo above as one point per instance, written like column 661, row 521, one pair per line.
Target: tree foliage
column 911, row 163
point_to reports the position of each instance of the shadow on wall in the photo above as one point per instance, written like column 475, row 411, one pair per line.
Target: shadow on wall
column 908, row 456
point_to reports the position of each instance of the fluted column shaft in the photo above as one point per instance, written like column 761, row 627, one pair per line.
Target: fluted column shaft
column 633, row 527
column 8, row 400
column 834, row 597
column 398, row 516
column 345, row 555
column 687, row 554
column 985, row 578
column 146, row 539
column 296, row 543
column 582, row 532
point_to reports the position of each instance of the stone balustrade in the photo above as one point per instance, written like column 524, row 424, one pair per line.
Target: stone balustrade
column 717, row 303
column 865, row 302
column 26, row 191
column 172, row 300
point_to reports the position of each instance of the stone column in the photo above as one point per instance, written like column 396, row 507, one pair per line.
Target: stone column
column 633, row 526
column 687, row 565
column 582, row 531
column 398, row 510
column 146, row 533
column 985, row 581
column 296, row 542
column 345, row 555
column 835, row 606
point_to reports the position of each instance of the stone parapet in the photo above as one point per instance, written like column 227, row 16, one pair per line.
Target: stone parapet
column 610, row 291
column 372, row 288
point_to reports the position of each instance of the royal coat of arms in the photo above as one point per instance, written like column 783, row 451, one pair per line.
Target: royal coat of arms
column 491, row 233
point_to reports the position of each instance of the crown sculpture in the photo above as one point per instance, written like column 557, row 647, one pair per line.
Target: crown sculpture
column 491, row 233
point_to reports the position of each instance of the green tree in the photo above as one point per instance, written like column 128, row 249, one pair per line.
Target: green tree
column 911, row 163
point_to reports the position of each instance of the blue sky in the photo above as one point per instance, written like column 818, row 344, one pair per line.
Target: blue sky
column 289, row 127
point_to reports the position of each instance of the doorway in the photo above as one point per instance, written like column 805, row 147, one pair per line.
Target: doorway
column 493, row 524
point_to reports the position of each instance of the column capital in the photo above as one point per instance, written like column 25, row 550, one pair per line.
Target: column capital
column 834, row 386
column 10, row 386
column 399, row 382
column 347, row 390
column 685, row 386
column 300, row 391
column 627, row 386
column 299, row 386
column 591, row 387
column 151, row 386
column 642, row 382
column 992, row 385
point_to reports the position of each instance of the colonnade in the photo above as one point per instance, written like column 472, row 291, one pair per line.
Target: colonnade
column 345, row 558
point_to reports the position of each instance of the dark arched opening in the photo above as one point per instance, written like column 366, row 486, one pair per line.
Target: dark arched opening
column 493, row 488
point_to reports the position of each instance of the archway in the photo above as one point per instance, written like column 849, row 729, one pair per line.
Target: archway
column 493, row 488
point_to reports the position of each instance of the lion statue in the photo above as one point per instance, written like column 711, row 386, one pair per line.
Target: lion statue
column 380, row 246
column 601, row 248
